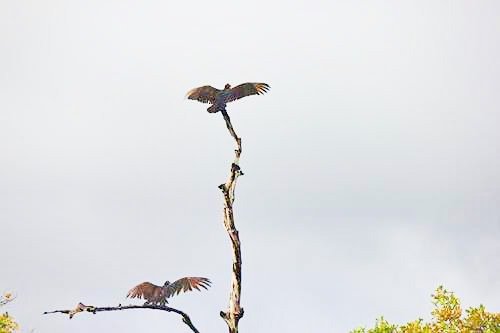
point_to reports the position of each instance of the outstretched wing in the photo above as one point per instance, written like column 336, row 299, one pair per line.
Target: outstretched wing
column 146, row 290
column 187, row 284
column 205, row 94
column 247, row 89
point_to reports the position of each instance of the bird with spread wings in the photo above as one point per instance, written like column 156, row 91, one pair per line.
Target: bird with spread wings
column 157, row 295
column 219, row 98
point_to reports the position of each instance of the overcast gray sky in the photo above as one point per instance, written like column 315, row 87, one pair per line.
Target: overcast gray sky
column 371, row 166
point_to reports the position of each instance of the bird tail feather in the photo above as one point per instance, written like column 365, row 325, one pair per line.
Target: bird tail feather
column 212, row 109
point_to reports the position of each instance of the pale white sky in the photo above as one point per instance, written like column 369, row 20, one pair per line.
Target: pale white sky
column 371, row 167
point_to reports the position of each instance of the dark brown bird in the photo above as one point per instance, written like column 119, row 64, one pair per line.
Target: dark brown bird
column 219, row 98
column 157, row 295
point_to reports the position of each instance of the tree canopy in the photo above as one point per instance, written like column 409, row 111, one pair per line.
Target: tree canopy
column 7, row 323
column 447, row 317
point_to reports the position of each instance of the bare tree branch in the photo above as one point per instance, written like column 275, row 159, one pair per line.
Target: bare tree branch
column 235, row 311
column 93, row 309
column 7, row 298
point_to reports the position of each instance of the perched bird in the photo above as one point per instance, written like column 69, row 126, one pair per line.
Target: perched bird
column 219, row 98
column 157, row 295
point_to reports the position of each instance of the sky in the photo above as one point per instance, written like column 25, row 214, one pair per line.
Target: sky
column 371, row 166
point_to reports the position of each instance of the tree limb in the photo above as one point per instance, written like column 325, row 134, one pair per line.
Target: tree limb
column 93, row 309
column 235, row 311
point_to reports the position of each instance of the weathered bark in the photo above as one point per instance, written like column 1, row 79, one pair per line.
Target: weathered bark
column 93, row 309
column 235, row 311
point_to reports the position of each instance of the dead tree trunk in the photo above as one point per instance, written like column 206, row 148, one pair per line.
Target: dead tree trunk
column 235, row 311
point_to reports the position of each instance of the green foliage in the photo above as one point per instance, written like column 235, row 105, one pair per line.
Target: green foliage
column 447, row 317
column 7, row 324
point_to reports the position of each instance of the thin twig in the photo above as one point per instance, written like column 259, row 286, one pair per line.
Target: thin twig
column 7, row 298
column 93, row 309
column 235, row 311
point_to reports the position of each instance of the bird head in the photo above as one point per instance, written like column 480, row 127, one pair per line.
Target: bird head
column 166, row 283
column 227, row 86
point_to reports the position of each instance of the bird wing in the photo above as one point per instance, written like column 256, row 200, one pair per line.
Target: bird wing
column 205, row 94
column 187, row 284
column 145, row 290
column 247, row 89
